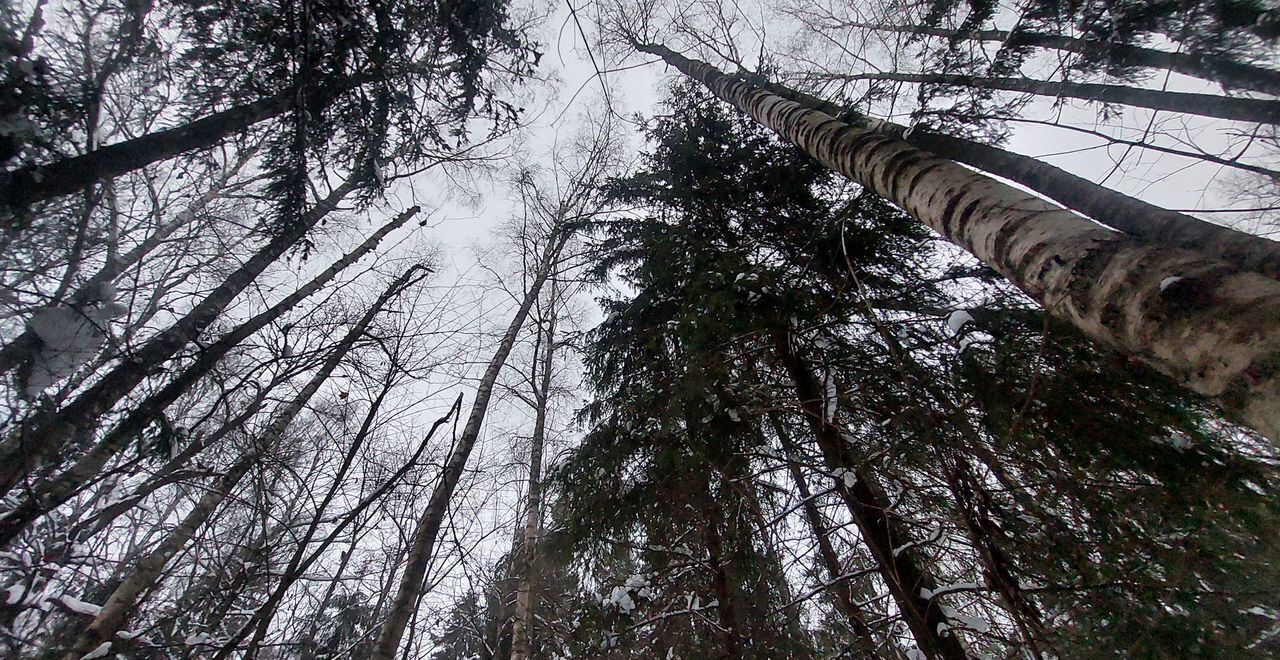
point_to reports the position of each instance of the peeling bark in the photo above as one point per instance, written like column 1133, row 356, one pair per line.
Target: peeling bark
column 1200, row 321
column 1113, row 209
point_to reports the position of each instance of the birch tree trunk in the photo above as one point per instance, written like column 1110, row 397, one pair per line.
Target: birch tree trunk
column 910, row 582
column 522, row 626
column 422, row 546
column 51, row 493
column 17, row 350
column 1202, row 322
column 1261, row 111
column 125, row 599
column 1216, row 68
column 1114, row 209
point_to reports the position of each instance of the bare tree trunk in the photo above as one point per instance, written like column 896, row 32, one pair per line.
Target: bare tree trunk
column 122, row 603
column 34, row 184
column 838, row 583
column 1261, row 111
column 908, row 579
column 1224, row 70
column 50, row 493
column 1202, row 322
column 422, row 547
column 1114, row 209
column 522, row 627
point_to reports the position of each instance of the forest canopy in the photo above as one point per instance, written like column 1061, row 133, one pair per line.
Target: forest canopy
column 502, row 330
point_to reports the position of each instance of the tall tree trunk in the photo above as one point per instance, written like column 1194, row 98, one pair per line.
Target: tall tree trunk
column 50, row 493
column 838, row 582
column 122, row 603
column 38, row 183
column 908, row 579
column 1114, row 209
column 721, row 581
column 1261, row 111
column 972, row 502
column 1217, row 68
column 1200, row 321
column 422, row 546
column 526, row 603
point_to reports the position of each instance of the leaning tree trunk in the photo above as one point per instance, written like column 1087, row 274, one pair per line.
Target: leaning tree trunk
column 1204, row 323
column 837, row 580
column 51, row 493
column 422, row 546
column 1216, row 68
column 909, row 580
column 125, row 599
column 1114, row 209
column 522, row 626
column 38, row 183
column 1260, row 111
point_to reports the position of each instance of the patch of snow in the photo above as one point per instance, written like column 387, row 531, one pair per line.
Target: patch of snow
column 79, row 606
column 199, row 639
column 100, row 652
column 1170, row 281
column 13, row 595
column 956, row 320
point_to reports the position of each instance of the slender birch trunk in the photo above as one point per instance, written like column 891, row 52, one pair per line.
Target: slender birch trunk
column 1114, row 209
column 909, row 580
column 124, row 601
column 1216, row 68
column 50, row 493
column 1207, row 325
column 1238, row 108
column 838, row 583
column 422, row 546
column 522, row 627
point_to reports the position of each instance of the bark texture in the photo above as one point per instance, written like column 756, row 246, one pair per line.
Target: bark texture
column 52, row 492
column 1116, row 210
column 1261, row 111
column 124, row 600
column 1211, row 327
column 422, row 545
